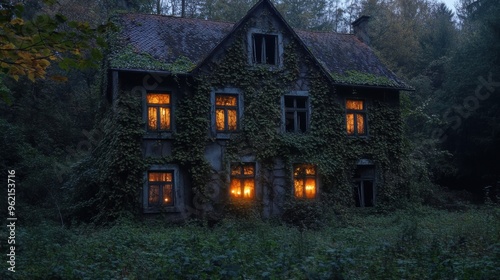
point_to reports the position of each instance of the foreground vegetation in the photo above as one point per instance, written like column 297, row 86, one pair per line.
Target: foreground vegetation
column 420, row 243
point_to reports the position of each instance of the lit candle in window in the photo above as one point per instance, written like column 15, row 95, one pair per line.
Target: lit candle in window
column 310, row 191
column 247, row 192
column 166, row 199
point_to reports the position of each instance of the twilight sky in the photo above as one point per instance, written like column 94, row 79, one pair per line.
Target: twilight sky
column 449, row 3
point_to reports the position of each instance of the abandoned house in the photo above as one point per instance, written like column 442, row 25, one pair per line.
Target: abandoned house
column 256, row 112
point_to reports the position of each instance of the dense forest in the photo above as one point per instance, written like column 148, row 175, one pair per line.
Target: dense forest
column 53, row 119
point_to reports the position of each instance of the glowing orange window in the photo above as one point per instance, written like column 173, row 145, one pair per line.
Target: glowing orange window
column 355, row 117
column 242, row 181
column 226, row 112
column 160, row 188
column 304, row 181
column 159, row 111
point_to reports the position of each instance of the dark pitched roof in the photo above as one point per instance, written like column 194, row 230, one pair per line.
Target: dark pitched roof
column 160, row 41
column 155, row 42
column 348, row 60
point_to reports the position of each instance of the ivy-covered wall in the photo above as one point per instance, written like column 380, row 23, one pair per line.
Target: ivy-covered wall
column 204, row 158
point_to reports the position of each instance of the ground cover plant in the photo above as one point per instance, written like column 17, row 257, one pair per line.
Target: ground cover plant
column 417, row 243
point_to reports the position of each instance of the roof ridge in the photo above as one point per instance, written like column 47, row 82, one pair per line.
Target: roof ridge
column 178, row 17
column 322, row 31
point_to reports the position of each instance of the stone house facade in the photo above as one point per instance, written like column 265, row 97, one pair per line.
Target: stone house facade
column 256, row 113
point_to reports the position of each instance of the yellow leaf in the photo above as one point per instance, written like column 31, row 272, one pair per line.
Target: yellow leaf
column 31, row 76
column 44, row 63
column 18, row 21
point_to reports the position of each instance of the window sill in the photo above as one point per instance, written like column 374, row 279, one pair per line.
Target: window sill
column 158, row 135
column 268, row 67
column 166, row 209
column 224, row 135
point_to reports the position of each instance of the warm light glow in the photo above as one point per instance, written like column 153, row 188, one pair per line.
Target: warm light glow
column 310, row 188
column 242, row 181
column 158, row 111
column 160, row 188
column 354, row 104
column 350, row 124
column 305, row 181
column 247, row 191
column 225, row 100
column 361, row 123
column 160, row 177
column 219, row 119
column 152, row 118
column 231, row 119
column 355, row 121
column 226, row 115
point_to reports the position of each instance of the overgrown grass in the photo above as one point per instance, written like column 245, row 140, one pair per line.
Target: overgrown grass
column 421, row 243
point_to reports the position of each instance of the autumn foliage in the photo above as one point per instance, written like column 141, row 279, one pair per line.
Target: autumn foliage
column 29, row 47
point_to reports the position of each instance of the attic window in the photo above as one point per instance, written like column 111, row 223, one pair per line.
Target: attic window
column 159, row 109
column 304, row 181
column 265, row 49
column 355, row 117
column 242, row 180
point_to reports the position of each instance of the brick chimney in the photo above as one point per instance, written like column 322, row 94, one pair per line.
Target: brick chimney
column 359, row 28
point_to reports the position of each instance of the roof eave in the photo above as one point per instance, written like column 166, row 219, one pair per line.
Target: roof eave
column 162, row 72
column 372, row 86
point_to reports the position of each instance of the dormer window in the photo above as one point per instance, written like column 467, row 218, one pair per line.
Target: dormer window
column 265, row 49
